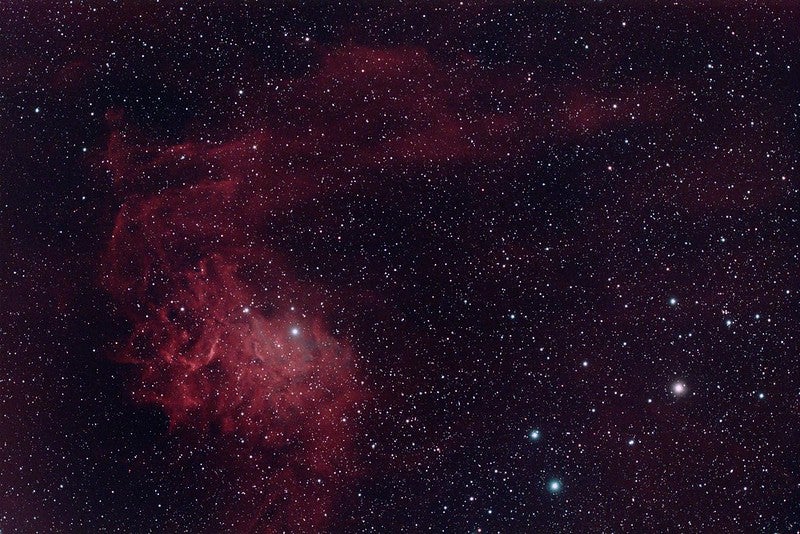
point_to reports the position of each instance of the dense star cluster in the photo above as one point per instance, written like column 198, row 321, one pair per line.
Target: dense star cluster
column 385, row 267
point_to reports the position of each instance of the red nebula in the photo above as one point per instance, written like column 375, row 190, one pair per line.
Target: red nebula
column 226, row 340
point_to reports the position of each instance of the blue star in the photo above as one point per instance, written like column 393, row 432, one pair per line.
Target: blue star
column 554, row 485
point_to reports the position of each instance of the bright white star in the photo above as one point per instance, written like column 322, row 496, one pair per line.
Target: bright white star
column 678, row 388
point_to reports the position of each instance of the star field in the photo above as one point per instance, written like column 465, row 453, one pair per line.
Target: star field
column 385, row 267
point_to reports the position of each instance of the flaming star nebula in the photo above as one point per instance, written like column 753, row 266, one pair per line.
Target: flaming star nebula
column 214, row 335
column 446, row 267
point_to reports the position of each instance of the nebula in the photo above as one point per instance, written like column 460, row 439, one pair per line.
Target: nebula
column 379, row 267
column 226, row 340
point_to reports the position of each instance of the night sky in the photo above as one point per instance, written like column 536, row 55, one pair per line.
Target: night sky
column 399, row 267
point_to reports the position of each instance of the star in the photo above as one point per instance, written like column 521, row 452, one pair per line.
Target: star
column 554, row 485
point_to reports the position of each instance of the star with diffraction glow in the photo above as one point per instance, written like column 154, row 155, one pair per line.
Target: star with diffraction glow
column 679, row 388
